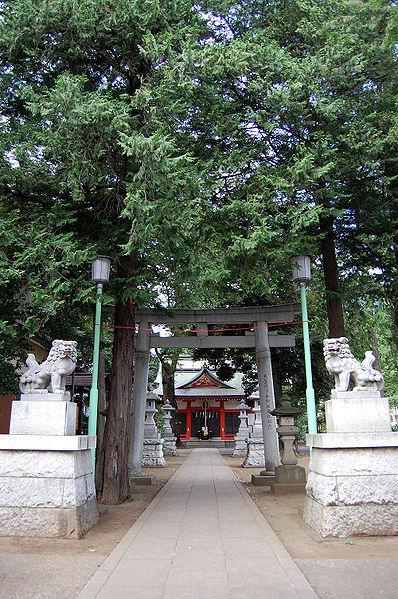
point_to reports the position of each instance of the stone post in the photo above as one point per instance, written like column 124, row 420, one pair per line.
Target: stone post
column 169, row 447
column 139, row 403
column 242, row 435
column 267, row 400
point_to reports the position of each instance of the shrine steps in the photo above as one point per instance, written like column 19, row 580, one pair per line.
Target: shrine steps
column 215, row 443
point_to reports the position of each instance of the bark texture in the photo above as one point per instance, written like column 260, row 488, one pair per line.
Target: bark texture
column 112, row 466
column 330, row 269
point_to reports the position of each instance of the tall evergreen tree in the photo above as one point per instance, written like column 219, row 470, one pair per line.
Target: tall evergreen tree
column 289, row 106
column 84, row 169
column 250, row 131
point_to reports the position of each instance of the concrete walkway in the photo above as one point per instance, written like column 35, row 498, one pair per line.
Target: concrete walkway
column 202, row 537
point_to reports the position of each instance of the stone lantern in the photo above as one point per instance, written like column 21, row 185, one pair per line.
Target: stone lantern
column 152, row 451
column 242, row 435
column 287, row 431
column 289, row 478
column 169, row 447
column 255, row 443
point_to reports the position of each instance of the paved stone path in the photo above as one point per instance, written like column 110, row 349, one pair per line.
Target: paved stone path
column 201, row 538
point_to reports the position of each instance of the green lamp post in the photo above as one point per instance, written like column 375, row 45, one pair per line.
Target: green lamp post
column 302, row 276
column 100, row 270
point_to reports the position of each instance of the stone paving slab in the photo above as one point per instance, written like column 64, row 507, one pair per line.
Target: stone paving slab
column 365, row 578
column 201, row 537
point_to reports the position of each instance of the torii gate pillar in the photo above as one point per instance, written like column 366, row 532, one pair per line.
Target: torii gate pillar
column 267, row 398
column 139, row 402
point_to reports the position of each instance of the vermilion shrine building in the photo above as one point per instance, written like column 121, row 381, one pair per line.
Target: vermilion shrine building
column 205, row 400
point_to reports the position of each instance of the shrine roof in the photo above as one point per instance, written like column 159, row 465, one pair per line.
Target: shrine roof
column 195, row 379
column 205, row 378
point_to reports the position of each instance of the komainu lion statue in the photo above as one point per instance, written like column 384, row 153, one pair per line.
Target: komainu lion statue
column 50, row 375
column 343, row 366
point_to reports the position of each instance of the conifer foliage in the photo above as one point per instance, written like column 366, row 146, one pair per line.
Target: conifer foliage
column 83, row 172
column 199, row 144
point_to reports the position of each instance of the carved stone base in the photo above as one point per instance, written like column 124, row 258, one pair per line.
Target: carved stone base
column 44, row 395
column 45, row 417
column 352, row 486
column 255, row 454
column 152, row 453
column 169, row 446
column 46, row 492
column 59, row 523
column 357, row 411
column 240, row 447
column 348, row 521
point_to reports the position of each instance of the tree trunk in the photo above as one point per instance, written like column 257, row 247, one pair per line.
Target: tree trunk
column 113, row 458
column 391, row 174
column 394, row 314
column 330, row 270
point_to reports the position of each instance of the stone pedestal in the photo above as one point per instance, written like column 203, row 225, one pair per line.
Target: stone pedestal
column 240, row 448
column 357, row 411
column 169, row 446
column 46, row 417
column 45, row 395
column 288, row 479
column 152, row 453
column 46, row 485
column 352, row 486
column 46, row 471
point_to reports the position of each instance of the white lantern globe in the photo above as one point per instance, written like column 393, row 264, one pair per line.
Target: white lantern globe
column 301, row 269
column 100, row 269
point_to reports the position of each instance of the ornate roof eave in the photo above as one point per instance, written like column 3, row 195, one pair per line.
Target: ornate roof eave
column 205, row 374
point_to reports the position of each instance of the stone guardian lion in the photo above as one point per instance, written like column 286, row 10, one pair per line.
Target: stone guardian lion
column 344, row 367
column 50, row 375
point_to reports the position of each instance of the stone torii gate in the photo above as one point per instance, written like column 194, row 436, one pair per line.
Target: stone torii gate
column 262, row 339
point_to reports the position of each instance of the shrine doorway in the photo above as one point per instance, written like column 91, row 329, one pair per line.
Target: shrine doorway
column 204, row 421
